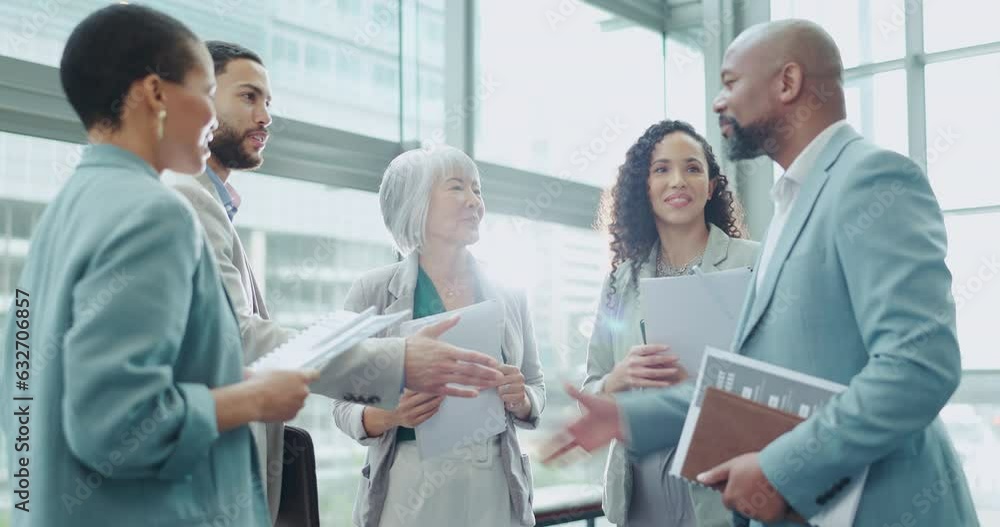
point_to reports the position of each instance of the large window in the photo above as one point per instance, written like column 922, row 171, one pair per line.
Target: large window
column 561, row 268
column 685, row 80
column 956, row 149
column 308, row 243
column 573, row 87
column 300, row 41
column 866, row 31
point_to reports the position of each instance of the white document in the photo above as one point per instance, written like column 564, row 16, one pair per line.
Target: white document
column 779, row 388
column 690, row 312
column 326, row 338
column 461, row 421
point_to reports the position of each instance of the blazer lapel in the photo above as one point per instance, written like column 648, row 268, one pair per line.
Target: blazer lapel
column 716, row 250
column 402, row 284
column 803, row 207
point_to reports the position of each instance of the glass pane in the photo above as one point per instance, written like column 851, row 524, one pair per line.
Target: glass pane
column 306, row 257
column 960, row 135
column 866, row 31
column 876, row 107
column 975, row 268
column 685, row 82
column 975, row 432
column 950, row 24
column 322, row 57
column 548, row 110
column 561, row 268
column 428, row 57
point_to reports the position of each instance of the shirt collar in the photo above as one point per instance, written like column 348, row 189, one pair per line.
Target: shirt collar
column 806, row 160
column 230, row 198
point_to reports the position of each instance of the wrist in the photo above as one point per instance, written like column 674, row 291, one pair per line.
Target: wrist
column 253, row 401
column 523, row 409
column 611, row 384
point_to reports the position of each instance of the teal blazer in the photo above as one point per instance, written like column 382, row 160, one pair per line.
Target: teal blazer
column 129, row 332
column 858, row 293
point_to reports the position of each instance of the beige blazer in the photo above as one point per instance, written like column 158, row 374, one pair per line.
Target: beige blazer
column 260, row 335
column 616, row 330
column 390, row 290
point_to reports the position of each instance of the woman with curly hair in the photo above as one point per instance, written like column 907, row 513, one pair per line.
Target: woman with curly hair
column 670, row 210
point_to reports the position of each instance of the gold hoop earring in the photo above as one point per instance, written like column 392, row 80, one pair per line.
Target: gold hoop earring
column 161, row 118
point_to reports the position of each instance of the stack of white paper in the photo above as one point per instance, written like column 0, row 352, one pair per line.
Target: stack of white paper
column 690, row 312
column 328, row 337
column 779, row 388
column 464, row 421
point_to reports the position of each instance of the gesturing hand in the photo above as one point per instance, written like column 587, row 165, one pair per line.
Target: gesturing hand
column 430, row 365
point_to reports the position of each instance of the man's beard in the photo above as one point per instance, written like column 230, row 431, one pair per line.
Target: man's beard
column 227, row 147
column 750, row 141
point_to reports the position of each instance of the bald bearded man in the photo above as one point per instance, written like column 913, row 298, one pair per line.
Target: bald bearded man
column 851, row 286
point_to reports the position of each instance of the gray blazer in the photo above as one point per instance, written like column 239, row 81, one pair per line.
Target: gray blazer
column 390, row 290
column 260, row 335
column 616, row 330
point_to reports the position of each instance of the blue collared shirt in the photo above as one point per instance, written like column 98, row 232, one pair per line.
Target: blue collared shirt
column 227, row 197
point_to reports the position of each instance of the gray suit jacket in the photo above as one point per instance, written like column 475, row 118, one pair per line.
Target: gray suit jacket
column 390, row 290
column 261, row 335
column 857, row 292
column 616, row 330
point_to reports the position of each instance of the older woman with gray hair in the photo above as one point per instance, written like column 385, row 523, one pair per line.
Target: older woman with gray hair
column 432, row 205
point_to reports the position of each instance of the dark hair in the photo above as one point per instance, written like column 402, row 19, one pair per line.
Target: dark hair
column 225, row 52
column 114, row 47
column 628, row 215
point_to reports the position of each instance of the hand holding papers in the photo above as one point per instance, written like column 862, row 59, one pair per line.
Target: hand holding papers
column 461, row 421
column 688, row 313
column 318, row 346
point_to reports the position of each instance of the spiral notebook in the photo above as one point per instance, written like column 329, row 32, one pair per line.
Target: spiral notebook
column 326, row 338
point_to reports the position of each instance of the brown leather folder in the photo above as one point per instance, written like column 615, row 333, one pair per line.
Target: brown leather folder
column 730, row 426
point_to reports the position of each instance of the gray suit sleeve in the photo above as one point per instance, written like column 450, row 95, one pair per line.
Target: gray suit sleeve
column 385, row 368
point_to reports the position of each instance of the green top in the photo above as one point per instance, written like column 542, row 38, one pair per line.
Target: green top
column 426, row 302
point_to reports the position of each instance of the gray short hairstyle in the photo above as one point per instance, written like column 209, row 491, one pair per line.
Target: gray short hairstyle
column 405, row 192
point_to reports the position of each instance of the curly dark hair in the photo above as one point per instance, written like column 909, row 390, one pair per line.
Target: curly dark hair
column 628, row 215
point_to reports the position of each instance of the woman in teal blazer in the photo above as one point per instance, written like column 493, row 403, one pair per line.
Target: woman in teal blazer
column 121, row 345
